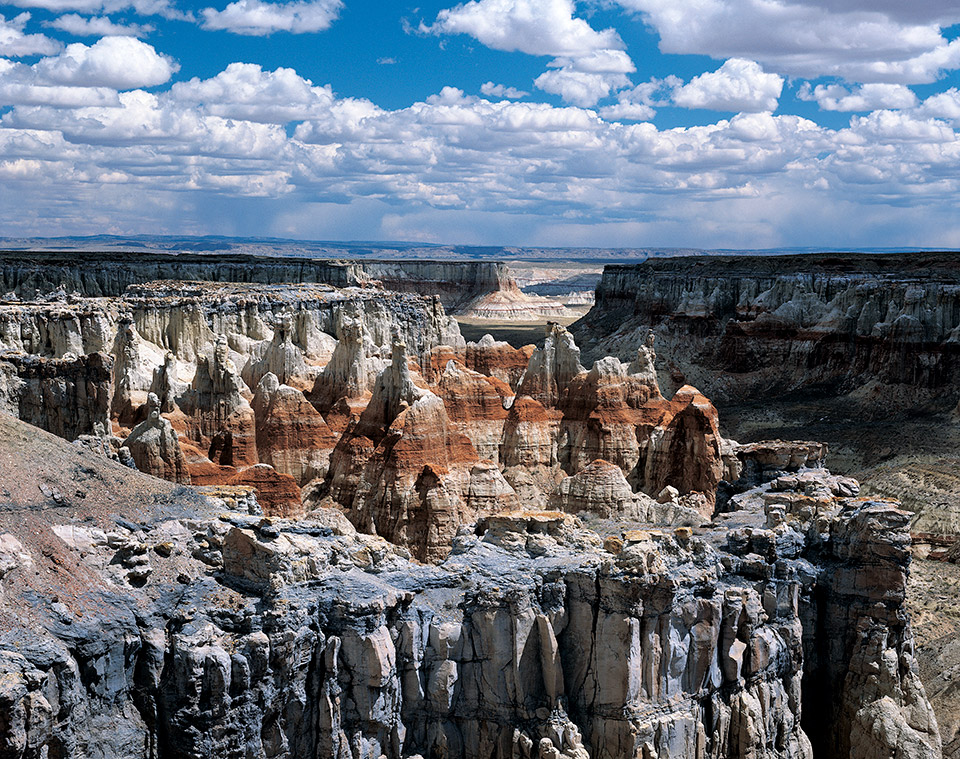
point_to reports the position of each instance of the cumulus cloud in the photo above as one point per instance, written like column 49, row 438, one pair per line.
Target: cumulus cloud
column 943, row 105
column 858, row 40
column 14, row 43
column 97, row 26
column 121, row 63
column 640, row 103
column 738, row 85
column 245, row 91
column 587, row 64
column 866, row 97
column 143, row 7
column 20, row 85
column 258, row 18
column 501, row 91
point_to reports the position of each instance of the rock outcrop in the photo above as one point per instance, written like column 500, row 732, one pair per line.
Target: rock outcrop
column 66, row 396
column 402, row 469
column 218, row 416
column 155, row 447
column 780, row 634
column 753, row 327
column 292, row 436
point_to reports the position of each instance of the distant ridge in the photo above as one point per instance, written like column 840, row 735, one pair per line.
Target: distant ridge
column 284, row 247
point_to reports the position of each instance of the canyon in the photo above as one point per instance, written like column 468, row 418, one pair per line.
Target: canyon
column 279, row 508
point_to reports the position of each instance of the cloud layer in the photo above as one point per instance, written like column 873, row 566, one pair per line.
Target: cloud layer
column 108, row 133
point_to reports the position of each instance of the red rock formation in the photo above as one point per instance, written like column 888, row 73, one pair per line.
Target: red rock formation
column 292, row 436
column 277, row 494
column 202, row 470
column 685, row 449
column 405, row 471
column 551, row 367
column 488, row 356
column 474, row 404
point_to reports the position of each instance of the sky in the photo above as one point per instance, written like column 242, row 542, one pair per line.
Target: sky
column 601, row 123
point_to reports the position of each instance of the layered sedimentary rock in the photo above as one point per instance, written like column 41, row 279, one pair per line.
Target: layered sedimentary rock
column 279, row 356
column 781, row 633
column 218, row 416
column 403, row 469
column 68, row 396
column 155, row 447
column 487, row 356
column 135, row 363
column 763, row 326
column 600, row 488
column 28, row 274
column 292, row 436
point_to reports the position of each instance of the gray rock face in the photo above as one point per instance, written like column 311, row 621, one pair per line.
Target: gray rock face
column 742, row 328
column 68, row 397
column 102, row 274
column 533, row 639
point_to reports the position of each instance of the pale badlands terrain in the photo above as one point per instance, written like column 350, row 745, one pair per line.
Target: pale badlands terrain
column 283, row 508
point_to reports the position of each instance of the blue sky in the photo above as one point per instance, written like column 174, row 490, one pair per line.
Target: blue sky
column 711, row 123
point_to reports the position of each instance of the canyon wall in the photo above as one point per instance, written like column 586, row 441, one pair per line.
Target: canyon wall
column 886, row 327
column 28, row 274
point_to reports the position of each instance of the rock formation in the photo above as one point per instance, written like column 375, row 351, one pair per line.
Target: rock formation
column 280, row 357
column 155, row 448
column 277, row 493
column 67, row 396
column 551, row 367
column 403, row 469
column 496, row 552
column 763, row 326
column 353, row 367
column 133, row 371
column 218, row 416
column 600, row 488
column 292, row 436
column 780, row 637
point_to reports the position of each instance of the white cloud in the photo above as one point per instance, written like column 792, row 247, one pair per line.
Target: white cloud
column 97, row 26
column 15, row 44
column 738, row 85
column 535, row 27
column 859, row 40
column 943, row 105
column 587, row 64
column 258, row 18
column 245, row 91
column 640, row 103
column 20, row 85
column 88, row 158
column 118, row 62
column 501, row 91
column 143, row 7
column 866, row 97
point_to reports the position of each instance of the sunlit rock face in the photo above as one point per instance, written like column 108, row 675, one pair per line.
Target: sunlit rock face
column 291, row 434
column 402, row 545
